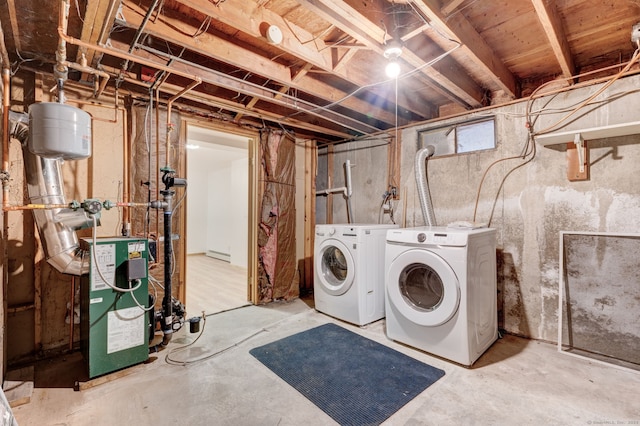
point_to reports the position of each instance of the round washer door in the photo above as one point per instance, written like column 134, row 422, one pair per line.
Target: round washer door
column 423, row 287
column 334, row 267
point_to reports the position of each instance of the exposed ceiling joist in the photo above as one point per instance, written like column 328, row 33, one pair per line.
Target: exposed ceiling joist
column 292, row 105
column 15, row 29
column 214, row 102
column 550, row 20
column 325, row 78
column 450, row 6
column 232, row 53
column 454, row 82
column 283, row 89
column 457, row 27
column 98, row 20
column 252, row 20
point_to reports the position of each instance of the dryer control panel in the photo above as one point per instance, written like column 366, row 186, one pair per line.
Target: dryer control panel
column 434, row 236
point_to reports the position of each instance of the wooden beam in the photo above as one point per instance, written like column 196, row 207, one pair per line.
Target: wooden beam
column 227, row 51
column 247, row 18
column 340, row 62
column 553, row 28
column 13, row 18
column 220, row 79
column 417, row 31
column 458, row 28
column 455, row 81
column 99, row 16
column 450, row 6
column 282, row 90
column 310, row 172
column 234, row 107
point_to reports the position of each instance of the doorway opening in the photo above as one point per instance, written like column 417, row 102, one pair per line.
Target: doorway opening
column 218, row 211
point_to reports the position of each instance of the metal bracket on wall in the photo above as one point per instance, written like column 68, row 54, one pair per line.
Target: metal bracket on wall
column 577, row 159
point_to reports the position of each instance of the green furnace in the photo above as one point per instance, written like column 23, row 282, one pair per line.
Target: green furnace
column 113, row 321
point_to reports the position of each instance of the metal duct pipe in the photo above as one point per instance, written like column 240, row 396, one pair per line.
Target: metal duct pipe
column 423, row 185
column 45, row 186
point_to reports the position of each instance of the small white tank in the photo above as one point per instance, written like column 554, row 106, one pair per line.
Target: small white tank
column 59, row 131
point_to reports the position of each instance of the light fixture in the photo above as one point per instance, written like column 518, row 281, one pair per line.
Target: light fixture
column 192, row 146
column 274, row 34
column 392, row 52
column 392, row 69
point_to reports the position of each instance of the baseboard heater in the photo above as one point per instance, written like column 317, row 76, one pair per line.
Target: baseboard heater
column 219, row 255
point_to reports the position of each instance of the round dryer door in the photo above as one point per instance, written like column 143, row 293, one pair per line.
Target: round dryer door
column 423, row 287
column 334, row 267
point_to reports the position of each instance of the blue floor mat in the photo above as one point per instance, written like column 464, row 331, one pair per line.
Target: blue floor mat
column 354, row 380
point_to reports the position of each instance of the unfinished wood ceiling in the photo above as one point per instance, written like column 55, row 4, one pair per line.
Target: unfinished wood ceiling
column 325, row 78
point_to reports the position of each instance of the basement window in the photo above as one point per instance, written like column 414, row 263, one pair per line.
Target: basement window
column 460, row 138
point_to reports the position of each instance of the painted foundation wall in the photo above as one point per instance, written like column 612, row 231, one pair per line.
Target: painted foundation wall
column 528, row 205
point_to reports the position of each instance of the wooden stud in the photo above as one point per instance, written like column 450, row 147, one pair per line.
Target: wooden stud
column 310, row 173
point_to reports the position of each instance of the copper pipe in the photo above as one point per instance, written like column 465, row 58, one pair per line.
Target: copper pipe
column 93, row 103
column 169, row 125
column 105, row 77
column 123, row 55
column 128, row 204
column 157, row 159
column 4, row 54
column 60, row 69
column 36, row 207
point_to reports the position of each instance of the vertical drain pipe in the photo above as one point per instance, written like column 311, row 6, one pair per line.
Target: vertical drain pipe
column 168, row 255
column 167, row 205
column 348, row 190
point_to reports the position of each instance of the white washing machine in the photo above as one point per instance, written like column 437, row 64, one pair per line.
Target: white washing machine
column 349, row 271
column 441, row 290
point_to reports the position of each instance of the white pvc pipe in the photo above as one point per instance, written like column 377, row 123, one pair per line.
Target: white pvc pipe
column 346, row 190
column 347, row 171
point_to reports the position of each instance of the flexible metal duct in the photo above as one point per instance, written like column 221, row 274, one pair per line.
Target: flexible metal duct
column 423, row 186
column 55, row 226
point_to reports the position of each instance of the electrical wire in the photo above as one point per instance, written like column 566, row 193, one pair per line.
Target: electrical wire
column 131, row 290
column 609, row 82
column 368, row 86
column 173, row 361
column 95, row 261
column 529, row 149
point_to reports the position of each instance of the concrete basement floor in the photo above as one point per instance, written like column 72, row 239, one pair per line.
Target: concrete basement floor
column 516, row 382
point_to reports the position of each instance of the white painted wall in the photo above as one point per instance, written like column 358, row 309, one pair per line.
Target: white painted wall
column 238, row 229
column 217, row 213
column 196, row 202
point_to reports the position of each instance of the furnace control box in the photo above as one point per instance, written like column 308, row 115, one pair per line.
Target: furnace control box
column 113, row 323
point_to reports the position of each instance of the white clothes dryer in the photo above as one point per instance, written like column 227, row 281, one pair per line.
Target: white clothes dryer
column 349, row 271
column 441, row 290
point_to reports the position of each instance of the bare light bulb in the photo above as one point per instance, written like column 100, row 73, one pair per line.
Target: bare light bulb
column 392, row 69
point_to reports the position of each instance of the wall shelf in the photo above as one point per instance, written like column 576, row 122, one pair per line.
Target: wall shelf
column 610, row 131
